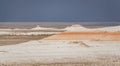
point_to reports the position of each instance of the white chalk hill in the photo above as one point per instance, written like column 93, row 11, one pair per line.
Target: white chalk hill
column 78, row 28
column 42, row 28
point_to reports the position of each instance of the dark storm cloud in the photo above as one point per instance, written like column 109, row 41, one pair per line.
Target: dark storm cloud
column 60, row 10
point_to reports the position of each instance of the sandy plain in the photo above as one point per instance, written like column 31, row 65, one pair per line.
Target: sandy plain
column 63, row 49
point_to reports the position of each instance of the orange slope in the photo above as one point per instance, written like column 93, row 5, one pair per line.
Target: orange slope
column 96, row 35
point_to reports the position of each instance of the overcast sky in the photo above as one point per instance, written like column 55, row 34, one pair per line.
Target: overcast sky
column 60, row 10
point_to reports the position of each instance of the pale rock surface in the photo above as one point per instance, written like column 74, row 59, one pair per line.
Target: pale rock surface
column 54, row 51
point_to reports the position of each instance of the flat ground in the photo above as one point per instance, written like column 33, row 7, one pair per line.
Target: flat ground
column 16, row 39
column 65, row 49
column 61, row 53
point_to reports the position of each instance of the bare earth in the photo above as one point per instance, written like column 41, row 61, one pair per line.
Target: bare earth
column 112, row 36
column 64, row 49
column 16, row 39
column 61, row 53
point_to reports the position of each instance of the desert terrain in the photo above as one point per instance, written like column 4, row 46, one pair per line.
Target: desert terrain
column 71, row 46
column 111, row 36
column 15, row 36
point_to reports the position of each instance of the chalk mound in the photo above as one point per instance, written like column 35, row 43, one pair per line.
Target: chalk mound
column 42, row 28
column 75, row 27
column 78, row 32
